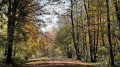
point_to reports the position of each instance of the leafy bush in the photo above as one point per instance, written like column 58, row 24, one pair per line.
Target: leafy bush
column 19, row 60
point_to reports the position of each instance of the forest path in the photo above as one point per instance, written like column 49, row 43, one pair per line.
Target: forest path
column 56, row 62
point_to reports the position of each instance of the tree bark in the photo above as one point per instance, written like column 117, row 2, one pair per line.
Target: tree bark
column 117, row 12
column 109, row 34
column 73, row 34
column 10, row 34
column 89, row 32
column 11, row 28
column 94, row 45
column 10, row 40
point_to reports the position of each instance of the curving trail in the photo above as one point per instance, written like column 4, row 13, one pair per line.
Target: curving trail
column 56, row 62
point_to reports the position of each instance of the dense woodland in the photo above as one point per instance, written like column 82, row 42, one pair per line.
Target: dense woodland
column 87, row 31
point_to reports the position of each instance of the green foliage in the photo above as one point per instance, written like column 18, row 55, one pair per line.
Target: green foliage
column 117, row 59
column 63, row 40
column 19, row 60
column 102, row 54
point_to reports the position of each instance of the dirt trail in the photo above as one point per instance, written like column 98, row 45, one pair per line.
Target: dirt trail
column 56, row 62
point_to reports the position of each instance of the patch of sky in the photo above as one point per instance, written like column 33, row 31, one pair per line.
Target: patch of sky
column 52, row 11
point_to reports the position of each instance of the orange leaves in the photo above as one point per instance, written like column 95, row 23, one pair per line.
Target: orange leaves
column 33, row 31
column 33, row 36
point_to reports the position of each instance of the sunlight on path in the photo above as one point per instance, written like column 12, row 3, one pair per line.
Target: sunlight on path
column 56, row 62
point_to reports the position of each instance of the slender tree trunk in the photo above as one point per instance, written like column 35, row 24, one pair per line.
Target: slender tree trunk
column 102, row 33
column 99, row 20
column 78, row 42
column 117, row 12
column 94, row 45
column 73, row 34
column 10, row 35
column 97, row 42
column 86, row 50
column 84, row 37
column 10, row 40
column 89, row 32
column 109, row 34
column 84, row 42
column 77, row 26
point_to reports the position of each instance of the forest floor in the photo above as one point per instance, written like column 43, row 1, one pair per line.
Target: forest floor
column 56, row 62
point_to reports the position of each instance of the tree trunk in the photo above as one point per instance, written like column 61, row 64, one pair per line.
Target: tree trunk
column 117, row 12
column 97, row 42
column 11, row 27
column 86, row 50
column 89, row 32
column 102, row 33
column 10, row 35
column 73, row 34
column 94, row 45
column 109, row 34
